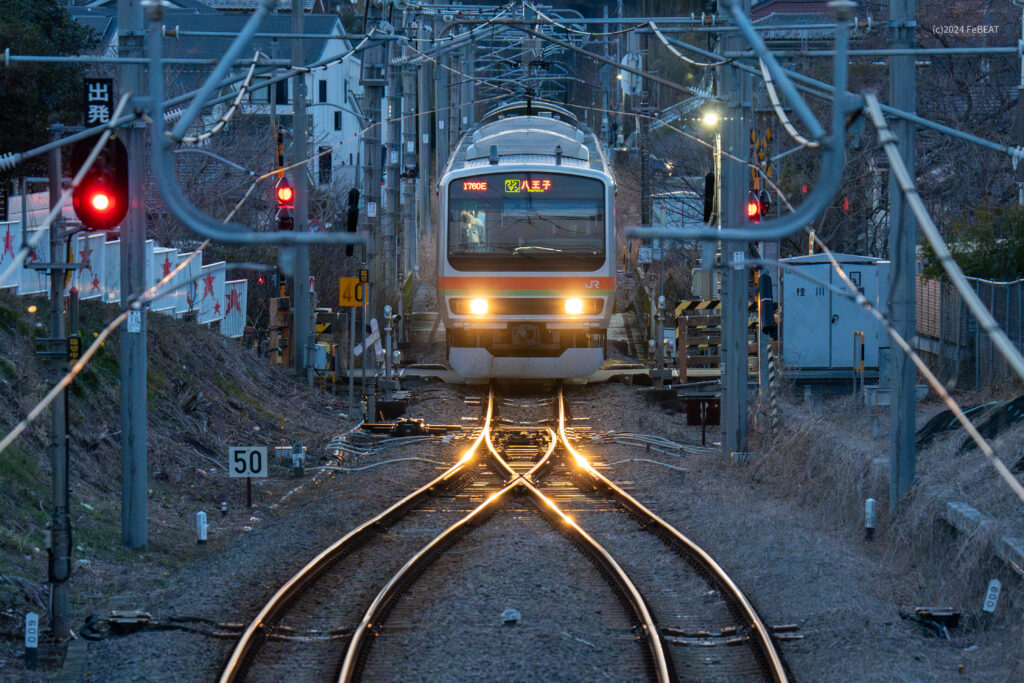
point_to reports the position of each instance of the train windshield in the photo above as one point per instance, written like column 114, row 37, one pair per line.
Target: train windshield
column 526, row 221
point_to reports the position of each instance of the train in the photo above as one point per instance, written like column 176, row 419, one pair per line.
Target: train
column 526, row 249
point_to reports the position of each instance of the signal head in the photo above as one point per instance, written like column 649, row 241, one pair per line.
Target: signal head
column 285, row 194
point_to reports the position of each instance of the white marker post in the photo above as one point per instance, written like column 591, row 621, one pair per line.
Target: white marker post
column 992, row 595
column 248, row 462
column 31, row 640
column 201, row 527
column 869, row 518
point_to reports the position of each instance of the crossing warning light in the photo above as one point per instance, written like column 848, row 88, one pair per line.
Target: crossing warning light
column 285, row 194
column 101, row 200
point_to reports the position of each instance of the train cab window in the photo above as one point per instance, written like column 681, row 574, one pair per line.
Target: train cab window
column 527, row 221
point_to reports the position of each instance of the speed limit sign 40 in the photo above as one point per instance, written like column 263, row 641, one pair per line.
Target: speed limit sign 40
column 247, row 461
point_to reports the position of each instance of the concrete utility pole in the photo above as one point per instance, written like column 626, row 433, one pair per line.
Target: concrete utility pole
column 442, row 80
column 902, row 267
column 424, row 179
column 389, row 248
column 735, row 90
column 372, row 79
column 468, row 116
column 409, row 163
column 301, row 322
column 60, row 521
column 134, row 533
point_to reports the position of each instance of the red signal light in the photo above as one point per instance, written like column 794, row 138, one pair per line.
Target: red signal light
column 285, row 194
column 752, row 209
column 101, row 201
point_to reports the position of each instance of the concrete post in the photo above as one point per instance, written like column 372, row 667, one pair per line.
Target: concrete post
column 735, row 88
column 902, row 240
column 301, row 319
column 133, row 281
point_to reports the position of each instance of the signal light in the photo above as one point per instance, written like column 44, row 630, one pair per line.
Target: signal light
column 765, row 201
column 352, row 216
column 754, row 207
column 101, row 200
column 285, row 194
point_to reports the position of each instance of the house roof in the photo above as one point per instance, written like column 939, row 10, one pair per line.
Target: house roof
column 214, row 48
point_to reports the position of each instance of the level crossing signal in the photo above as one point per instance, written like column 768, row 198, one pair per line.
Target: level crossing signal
column 101, row 199
column 285, row 194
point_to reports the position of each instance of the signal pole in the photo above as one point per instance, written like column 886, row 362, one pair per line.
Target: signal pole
column 301, row 306
column 735, row 89
column 902, row 268
column 134, row 465
column 60, row 522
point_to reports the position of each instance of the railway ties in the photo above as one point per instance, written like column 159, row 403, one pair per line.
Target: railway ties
column 481, row 553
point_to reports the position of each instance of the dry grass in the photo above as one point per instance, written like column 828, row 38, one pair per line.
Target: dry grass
column 825, row 458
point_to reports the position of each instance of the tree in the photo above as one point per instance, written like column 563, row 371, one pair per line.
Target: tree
column 990, row 245
column 30, row 94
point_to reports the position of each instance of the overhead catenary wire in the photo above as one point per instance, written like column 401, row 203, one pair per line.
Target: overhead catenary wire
column 329, row 150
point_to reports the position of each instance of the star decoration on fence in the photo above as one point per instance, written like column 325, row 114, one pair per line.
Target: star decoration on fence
column 208, row 285
column 234, row 298
column 8, row 243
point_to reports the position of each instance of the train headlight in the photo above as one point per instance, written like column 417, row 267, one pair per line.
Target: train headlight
column 574, row 306
column 478, row 306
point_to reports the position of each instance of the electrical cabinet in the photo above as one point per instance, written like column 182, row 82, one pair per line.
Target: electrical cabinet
column 821, row 328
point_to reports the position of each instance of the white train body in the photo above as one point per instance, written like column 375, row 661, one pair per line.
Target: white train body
column 526, row 263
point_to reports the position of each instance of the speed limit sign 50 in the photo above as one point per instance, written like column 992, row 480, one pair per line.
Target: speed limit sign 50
column 247, row 461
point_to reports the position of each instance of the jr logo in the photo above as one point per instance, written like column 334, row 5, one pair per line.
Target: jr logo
column 593, row 284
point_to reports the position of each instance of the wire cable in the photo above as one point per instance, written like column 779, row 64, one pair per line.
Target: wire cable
column 780, row 113
column 680, row 55
column 226, row 117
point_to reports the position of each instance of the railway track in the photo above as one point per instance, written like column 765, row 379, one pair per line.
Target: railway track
column 487, row 503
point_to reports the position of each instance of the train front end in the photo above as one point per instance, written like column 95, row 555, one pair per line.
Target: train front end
column 526, row 277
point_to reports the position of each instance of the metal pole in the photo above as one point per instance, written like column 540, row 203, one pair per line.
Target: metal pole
column 133, row 281
column 60, row 522
column 902, row 95
column 735, row 89
column 301, row 339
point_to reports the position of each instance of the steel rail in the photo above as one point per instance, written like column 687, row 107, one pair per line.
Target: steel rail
column 672, row 537
column 243, row 648
column 362, row 640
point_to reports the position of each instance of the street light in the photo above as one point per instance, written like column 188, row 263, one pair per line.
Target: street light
column 711, row 119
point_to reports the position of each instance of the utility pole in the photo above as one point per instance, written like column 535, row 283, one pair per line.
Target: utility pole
column 134, row 464
column 409, row 166
column 902, row 267
column 424, row 178
column 301, row 322
column 735, row 90
column 468, row 116
column 442, row 80
column 372, row 79
column 389, row 252
column 60, row 521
